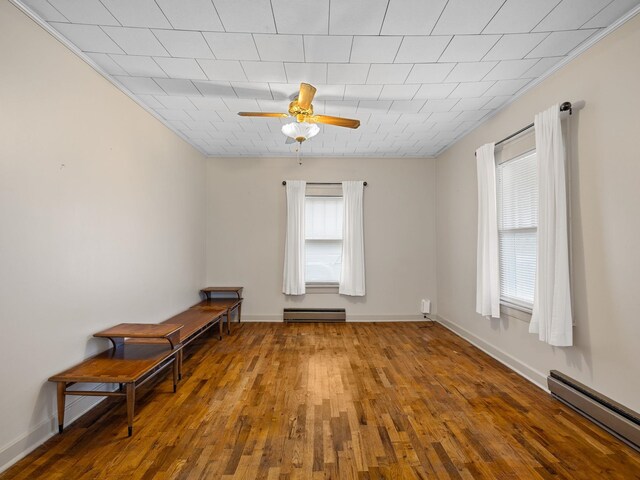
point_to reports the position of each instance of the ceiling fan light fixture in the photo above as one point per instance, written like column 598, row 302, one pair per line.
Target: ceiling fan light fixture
column 300, row 131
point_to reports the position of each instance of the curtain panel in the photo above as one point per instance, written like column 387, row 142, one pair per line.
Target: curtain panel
column 293, row 282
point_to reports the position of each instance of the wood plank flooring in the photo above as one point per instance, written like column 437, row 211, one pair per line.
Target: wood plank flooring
column 339, row 401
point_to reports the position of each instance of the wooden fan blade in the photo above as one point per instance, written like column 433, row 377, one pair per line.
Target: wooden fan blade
column 307, row 92
column 262, row 114
column 337, row 121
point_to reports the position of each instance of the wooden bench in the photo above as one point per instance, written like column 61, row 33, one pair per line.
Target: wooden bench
column 227, row 305
column 129, row 365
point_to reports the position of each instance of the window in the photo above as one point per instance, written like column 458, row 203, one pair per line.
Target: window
column 323, row 239
column 517, row 192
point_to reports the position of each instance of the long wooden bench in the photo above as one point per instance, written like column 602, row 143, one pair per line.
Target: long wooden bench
column 227, row 305
column 128, row 365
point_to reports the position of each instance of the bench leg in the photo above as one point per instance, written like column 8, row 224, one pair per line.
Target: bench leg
column 62, row 387
column 220, row 322
column 229, row 322
column 179, row 360
column 131, row 399
column 239, row 312
column 176, row 371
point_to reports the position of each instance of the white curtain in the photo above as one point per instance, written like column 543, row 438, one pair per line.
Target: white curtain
column 551, row 318
column 293, row 282
column 352, row 273
column 488, row 268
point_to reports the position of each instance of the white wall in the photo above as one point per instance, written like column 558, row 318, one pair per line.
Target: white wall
column 246, row 217
column 116, row 235
column 605, row 163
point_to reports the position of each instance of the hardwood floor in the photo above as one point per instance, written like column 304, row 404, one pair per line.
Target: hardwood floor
column 352, row 401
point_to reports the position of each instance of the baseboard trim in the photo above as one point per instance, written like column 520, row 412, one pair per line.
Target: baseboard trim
column 350, row 318
column 522, row 369
column 35, row 437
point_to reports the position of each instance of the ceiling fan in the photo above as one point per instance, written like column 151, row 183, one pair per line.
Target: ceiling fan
column 302, row 109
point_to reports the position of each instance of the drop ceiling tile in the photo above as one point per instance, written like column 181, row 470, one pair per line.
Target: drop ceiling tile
column 252, row 90
column 347, row 73
column 141, row 13
column 181, row 68
column 412, row 17
column 45, row 10
column 389, row 74
column 398, row 92
column 466, row 16
column 514, row 47
column 204, row 116
column 174, row 86
column 241, row 105
column 369, row 49
column 362, row 92
column 137, row 66
column 232, row 46
column 439, row 105
column 560, row 43
column 272, row 105
column 214, row 89
column 140, row 85
column 374, row 106
column 611, row 13
column 264, row 72
column 468, row 48
column 226, row 70
column 407, row 106
column 90, row 12
column 284, row 92
column 497, row 102
column 184, row 44
column 470, row 72
column 570, row 15
column 542, row 67
column 327, row 49
column 470, row 104
column 430, row 72
column 88, row 38
column 519, row 16
column 169, row 114
column 136, row 41
column 105, row 62
column 280, row 48
column 175, row 102
column 208, row 103
column 473, row 116
column 315, row 73
column 191, row 14
column 422, row 49
column 150, row 101
column 471, row 89
column 510, row 69
column 435, row 90
column 357, row 17
column 330, row 92
column 246, row 15
column 308, row 16
column 506, row 87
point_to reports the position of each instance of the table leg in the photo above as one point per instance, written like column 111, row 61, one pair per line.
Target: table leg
column 179, row 360
column 229, row 322
column 131, row 399
column 176, row 371
column 62, row 386
column 220, row 322
column 239, row 311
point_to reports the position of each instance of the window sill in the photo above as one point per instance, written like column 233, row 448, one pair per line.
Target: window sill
column 515, row 311
column 313, row 288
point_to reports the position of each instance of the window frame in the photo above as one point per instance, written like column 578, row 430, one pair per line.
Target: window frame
column 322, row 287
column 508, row 304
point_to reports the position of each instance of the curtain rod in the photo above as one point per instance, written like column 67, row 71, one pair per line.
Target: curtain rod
column 563, row 108
column 284, row 182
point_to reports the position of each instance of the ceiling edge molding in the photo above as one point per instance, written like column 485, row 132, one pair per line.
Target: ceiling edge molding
column 576, row 52
column 44, row 25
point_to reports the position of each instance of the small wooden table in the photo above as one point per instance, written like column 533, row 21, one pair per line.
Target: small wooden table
column 235, row 290
column 167, row 331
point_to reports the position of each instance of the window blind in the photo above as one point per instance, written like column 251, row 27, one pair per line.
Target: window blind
column 517, row 195
column 323, row 239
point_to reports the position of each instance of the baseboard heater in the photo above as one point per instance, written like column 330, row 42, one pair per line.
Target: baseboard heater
column 308, row 315
column 619, row 420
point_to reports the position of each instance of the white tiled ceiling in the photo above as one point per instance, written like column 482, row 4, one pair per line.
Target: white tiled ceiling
column 417, row 74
